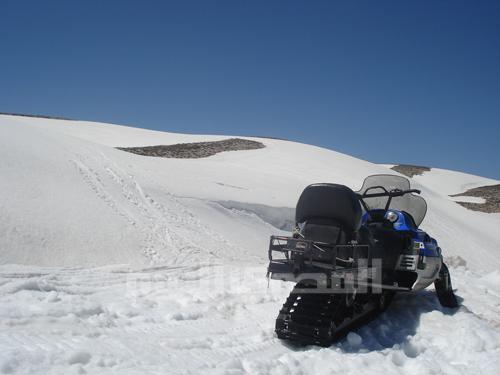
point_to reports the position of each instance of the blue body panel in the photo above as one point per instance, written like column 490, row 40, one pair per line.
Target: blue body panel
column 428, row 245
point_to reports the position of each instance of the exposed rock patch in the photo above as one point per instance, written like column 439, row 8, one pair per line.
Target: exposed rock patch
column 195, row 150
column 410, row 170
column 491, row 194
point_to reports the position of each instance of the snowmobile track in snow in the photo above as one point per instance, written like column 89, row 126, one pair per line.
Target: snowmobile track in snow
column 138, row 208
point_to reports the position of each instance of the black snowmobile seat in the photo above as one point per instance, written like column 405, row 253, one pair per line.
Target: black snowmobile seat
column 330, row 202
column 331, row 214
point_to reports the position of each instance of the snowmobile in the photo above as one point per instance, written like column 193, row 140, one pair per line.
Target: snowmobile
column 349, row 254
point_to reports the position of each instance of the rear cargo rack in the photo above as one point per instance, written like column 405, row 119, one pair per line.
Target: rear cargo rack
column 288, row 245
column 292, row 258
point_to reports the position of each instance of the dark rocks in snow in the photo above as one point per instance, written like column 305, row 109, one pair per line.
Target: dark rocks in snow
column 195, row 150
column 491, row 194
column 410, row 170
column 33, row 115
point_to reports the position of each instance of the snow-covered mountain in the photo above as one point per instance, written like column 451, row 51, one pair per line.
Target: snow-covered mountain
column 116, row 262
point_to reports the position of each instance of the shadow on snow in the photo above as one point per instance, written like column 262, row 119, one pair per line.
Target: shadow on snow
column 393, row 328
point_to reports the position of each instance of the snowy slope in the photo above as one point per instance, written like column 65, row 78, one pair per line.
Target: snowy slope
column 452, row 182
column 114, row 262
column 83, row 202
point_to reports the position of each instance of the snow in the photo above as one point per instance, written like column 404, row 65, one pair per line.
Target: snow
column 218, row 319
column 468, row 199
column 451, row 182
column 112, row 262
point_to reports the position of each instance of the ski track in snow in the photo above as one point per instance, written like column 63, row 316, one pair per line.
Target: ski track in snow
column 200, row 303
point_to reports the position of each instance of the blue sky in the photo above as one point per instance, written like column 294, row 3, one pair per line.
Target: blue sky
column 387, row 81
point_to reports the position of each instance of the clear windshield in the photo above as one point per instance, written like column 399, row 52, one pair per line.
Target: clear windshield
column 410, row 203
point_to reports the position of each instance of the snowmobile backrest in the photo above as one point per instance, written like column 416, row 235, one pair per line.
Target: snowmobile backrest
column 329, row 201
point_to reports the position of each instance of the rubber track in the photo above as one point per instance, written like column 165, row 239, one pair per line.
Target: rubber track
column 322, row 318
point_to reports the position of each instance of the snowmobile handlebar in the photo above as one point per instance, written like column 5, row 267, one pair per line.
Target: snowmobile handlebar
column 391, row 193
